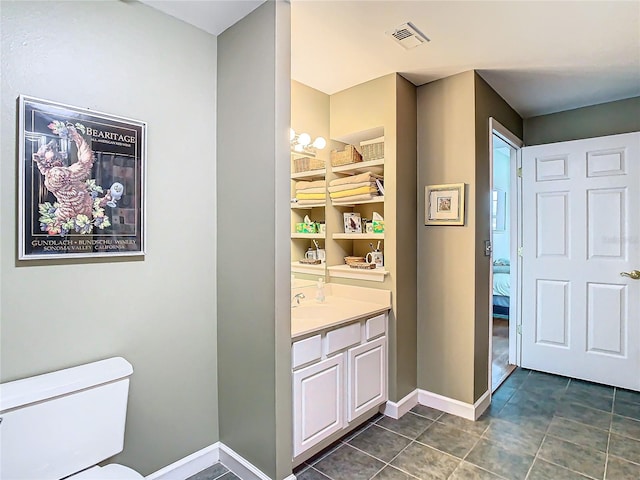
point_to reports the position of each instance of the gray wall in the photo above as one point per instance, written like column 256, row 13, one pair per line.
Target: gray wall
column 487, row 104
column 254, row 326
column 453, row 273
column 446, row 254
column 611, row 118
column 406, row 293
column 158, row 312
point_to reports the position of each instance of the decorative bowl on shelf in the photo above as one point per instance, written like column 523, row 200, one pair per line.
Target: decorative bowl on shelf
column 352, row 260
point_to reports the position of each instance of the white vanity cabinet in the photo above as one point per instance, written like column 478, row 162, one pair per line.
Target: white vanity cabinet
column 367, row 380
column 318, row 410
column 339, row 380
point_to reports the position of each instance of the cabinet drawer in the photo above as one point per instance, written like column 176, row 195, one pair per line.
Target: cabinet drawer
column 305, row 351
column 343, row 337
column 376, row 326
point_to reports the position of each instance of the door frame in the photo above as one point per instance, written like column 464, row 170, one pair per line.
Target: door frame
column 515, row 240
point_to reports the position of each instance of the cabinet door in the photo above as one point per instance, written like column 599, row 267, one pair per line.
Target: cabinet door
column 318, row 405
column 367, row 381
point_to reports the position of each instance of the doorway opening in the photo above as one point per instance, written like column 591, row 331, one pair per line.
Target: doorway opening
column 504, row 155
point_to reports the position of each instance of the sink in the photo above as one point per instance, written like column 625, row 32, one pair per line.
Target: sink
column 342, row 303
column 311, row 310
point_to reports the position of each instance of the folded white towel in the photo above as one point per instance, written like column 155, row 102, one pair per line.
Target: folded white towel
column 316, row 184
column 349, row 186
column 362, row 177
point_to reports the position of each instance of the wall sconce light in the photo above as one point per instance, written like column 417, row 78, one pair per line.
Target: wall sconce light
column 302, row 143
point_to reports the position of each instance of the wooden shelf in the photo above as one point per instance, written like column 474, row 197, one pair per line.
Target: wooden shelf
column 295, row 206
column 345, row 271
column 309, row 236
column 358, row 236
column 379, row 199
column 373, row 166
column 297, row 267
column 310, row 175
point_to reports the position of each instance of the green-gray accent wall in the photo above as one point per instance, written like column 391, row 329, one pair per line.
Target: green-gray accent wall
column 488, row 104
column 453, row 273
column 158, row 312
column 254, row 325
column 622, row 116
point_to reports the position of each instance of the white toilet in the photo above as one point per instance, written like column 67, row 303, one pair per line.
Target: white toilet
column 61, row 424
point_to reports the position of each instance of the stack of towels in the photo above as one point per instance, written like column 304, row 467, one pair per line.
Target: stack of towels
column 311, row 193
column 356, row 188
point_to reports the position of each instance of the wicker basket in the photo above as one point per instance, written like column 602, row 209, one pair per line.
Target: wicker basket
column 346, row 156
column 305, row 164
column 372, row 151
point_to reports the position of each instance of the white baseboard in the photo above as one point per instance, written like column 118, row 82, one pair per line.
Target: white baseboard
column 208, row 456
column 397, row 410
column 241, row 466
column 482, row 404
column 190, row 465
column 453, row 406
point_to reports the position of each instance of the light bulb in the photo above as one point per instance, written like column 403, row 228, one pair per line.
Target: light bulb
column 292, row 134
column 304, row 139
column 319, row 143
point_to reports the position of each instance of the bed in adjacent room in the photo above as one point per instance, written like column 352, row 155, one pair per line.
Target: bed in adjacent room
column 501, row 288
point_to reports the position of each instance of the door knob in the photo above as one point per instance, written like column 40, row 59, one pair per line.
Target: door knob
column 634, row 274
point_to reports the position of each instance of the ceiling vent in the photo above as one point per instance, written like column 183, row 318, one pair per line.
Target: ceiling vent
column 408, row 36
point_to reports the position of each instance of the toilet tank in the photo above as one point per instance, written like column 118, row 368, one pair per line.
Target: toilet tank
column 59, row 423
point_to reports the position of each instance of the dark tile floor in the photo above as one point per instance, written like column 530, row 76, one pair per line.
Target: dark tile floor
column 539, row 427
column 216, row 472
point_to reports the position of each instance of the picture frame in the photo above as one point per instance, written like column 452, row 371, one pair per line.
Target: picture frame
column 444, row 204
column 498, row 210
column 81, row 182
column 352, row 222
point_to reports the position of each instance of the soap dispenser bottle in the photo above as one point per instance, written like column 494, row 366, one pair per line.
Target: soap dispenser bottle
column 320, row 290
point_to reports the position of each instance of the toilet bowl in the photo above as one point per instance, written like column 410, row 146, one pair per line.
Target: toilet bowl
column 62, row 424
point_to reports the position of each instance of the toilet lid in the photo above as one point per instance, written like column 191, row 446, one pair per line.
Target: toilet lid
column 112, row 471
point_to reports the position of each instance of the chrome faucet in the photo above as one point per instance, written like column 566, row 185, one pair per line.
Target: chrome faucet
column 296, row 298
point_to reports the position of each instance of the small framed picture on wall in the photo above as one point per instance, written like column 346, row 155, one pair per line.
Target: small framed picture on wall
column 444, row 204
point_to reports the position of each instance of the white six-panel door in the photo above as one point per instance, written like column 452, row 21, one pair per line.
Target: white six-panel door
column 581, row 229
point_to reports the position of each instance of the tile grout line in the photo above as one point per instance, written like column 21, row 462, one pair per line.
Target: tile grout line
column 544, row 437
column 402, row 434
column 606, row 458
column 552, row 436
column 464, row 459
column 385, row 464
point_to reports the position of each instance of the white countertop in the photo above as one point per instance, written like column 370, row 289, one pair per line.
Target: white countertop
column 343, row 303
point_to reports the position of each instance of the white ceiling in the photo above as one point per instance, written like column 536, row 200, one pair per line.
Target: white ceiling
column 213, row 16
column 540, row 56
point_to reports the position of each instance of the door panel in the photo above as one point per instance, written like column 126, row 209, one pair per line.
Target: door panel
column 552, row 322
column 606, row 214
column 367, row 377
column 553, row 224
column 581, row 228
column 317, row 402
column 606, row 319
